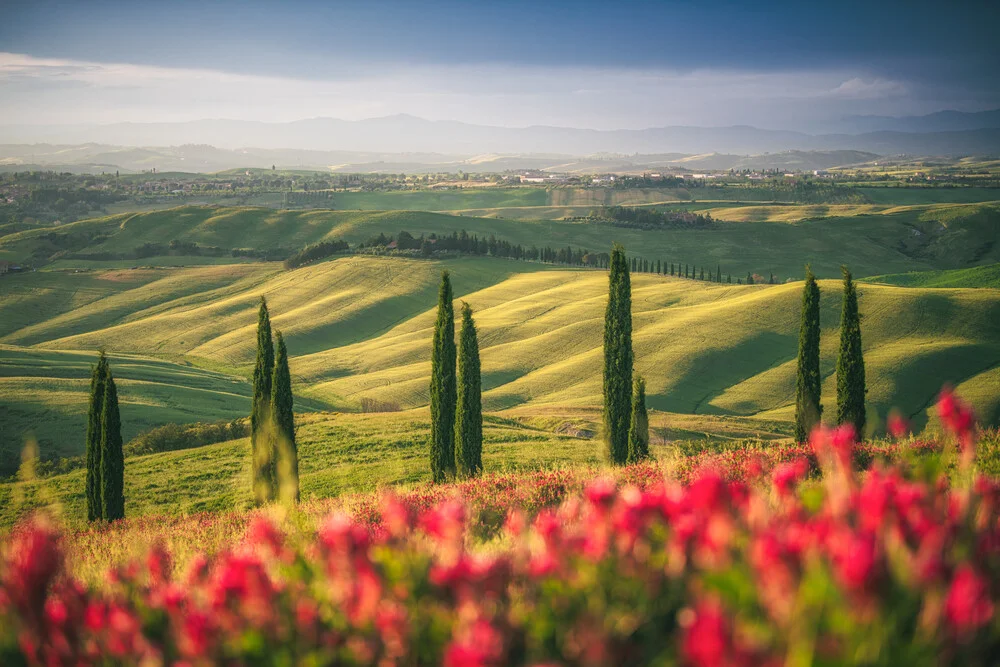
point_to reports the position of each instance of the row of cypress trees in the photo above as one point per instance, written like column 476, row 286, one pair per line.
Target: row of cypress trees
column 626, row 422
column 105, row 482
column 851, row 389
column 456, row 401
column 275, row 462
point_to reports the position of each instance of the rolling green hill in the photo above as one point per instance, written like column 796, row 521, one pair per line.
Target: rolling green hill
column 360, row 327
column 894, row 241
column 977, row 276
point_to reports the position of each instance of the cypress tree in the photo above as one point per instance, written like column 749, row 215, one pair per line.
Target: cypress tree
column 283, row 420
column 749, row 278
column 638, row 432
column 718, row 273
column 702, row 277
column 260, row 415
column 443, row 391
column 658, row 268
column 807, row 381
column 112, row 457
column 469, row 415
column 94, row 416
column 618, row 358
column 671, row 268
column 850, row 363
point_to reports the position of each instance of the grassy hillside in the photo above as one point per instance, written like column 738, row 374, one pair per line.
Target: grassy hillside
column 896, row 241
column 977, row 276
column 341, row 453
column 361, row 327
column 43, row 396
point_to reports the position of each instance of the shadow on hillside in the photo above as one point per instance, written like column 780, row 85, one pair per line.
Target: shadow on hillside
column 713, row 372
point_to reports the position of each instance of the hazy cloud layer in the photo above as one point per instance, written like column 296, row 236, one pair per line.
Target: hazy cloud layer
column 581, row 63
column 59, row 91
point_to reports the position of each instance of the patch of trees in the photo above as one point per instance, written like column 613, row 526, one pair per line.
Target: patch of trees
column 652, row 219
column 456, row 447
column 315, row 251
column 645, row 181
column 171, row 437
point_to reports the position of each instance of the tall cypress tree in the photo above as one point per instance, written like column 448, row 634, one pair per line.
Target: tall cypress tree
column 807, row 381
column 638, row 432
column 850, row 363
column 283, row 420
column 443, row 391
column 261, row 443
column 618, row 358
column 96, row 413
column 469, row 416
column 718, row 273
column 112, row 457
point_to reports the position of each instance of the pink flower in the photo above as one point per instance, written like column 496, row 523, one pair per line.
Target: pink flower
column 708, row 638
column 897, row 425
column 787, row 475
column 968, row 605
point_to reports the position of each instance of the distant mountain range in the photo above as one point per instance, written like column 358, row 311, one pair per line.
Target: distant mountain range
column 946, row 133
column 95, row 158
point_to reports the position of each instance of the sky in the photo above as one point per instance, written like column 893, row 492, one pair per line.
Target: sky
column 602, row 65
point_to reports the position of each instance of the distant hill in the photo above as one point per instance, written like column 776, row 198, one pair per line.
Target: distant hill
column 409, row 134
column 942, row 121
column 95, row 158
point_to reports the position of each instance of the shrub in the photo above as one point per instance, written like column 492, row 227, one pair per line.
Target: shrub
column 170, row 437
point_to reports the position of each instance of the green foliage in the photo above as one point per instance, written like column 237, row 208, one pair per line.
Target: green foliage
column 469, row 415
column 443, row 390
column 851, row 388
column 260, row 431
column 286, row 468
column 172, row 437
column 638, row 431
column 808, row 410
column 112, row 457
column 618, row 358
column 93, row 450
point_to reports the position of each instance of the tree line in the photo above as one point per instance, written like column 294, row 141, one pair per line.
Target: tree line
column 486, row 246
column 651, row 219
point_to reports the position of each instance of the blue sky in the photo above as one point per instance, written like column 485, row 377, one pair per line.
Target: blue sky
column 585, row 64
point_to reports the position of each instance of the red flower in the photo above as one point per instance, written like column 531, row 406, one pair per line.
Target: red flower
column 897, row 425
column 968, row 605
column 708, row 638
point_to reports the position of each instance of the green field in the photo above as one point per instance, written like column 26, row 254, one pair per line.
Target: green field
column 360, row 327
column 977, row 276
column 719, row 359
column 894, row 241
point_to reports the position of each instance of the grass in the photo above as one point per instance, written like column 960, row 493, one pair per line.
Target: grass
column 343, row 453
column 977, row 276
column 43, row 397
column 896, row 241
column 360, row 327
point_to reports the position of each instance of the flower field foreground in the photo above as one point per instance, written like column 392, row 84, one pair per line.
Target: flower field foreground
column 899, row 564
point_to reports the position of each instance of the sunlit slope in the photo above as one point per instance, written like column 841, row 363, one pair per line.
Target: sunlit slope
column 703, row 348
column 316, row 307
column 894, row 241
column 44, row 394
column 360, row 327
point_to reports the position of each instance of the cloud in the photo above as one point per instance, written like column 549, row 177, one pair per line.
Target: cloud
column 861, row 89
column 63, row 91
